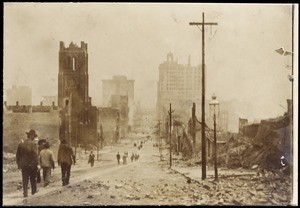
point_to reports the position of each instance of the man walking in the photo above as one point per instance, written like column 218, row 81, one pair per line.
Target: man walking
column 27, row 160
column 118, row 157
column 65, row 158
column 91, row 159
column 46, row 162
column 40, row 145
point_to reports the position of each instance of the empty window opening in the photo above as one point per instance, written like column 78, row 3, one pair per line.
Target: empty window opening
column 73, row 64
column 66, row 102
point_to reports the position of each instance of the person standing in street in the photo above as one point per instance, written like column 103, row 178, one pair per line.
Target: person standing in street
column 132, row 157
column 91, row 159
column 46, row 162
column 118, row 157
column 27, row 161
column 40, row 145
column 65, row 159
column 124, row 159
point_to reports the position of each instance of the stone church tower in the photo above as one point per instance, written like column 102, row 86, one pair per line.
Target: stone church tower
column 78, row 117
column 73, row 73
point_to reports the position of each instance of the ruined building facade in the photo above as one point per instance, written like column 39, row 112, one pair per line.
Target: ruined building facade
column 118, row 93
column 120, row 86
column 121, row 103
column 78, row 116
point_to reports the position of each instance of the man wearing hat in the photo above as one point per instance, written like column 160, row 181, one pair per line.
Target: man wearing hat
column 27, row 161
column 47, row 162
column 40, row 145
column 65, row 159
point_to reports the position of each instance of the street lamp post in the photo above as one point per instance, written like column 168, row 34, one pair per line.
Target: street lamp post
column 214, row 106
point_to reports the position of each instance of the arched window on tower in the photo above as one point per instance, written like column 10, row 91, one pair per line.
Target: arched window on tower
column 69, row 62
column 73, row 64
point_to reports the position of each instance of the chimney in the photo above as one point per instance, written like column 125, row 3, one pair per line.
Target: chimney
column 189, row 63
column 61, row 45
column 5, row 103
column 41, row 103
column 53, row 103
column 17, row 103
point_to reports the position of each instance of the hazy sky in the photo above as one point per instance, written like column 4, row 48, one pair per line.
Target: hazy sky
column 133, row 39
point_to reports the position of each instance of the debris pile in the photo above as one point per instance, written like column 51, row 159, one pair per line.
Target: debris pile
column 9, row 162
column 264, row 149
column 267, row 148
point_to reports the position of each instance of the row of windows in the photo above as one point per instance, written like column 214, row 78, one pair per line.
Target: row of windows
column 165, row 100
column 180, row 89
column 181, row 86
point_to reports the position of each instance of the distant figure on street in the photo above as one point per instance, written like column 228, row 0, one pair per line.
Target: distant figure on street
column 27, row 161
column 124, row 159
column 118, row 157
column 46, row 162
column 132, row 157
column 136, row 156
column 91, row 159
column 65, row 159
column 40, row 146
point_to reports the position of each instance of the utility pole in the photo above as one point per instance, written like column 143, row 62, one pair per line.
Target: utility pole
column 194, row 127
column 170, row 134
column 292, row 54
column 292, row 126
column 203, row 139
column 159, row 141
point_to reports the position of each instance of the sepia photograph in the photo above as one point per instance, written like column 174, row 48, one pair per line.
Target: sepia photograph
column 150, row 104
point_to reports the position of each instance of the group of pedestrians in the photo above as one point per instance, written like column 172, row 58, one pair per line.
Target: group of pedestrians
column 134, row 156
column 34, row 155
column 124, row 158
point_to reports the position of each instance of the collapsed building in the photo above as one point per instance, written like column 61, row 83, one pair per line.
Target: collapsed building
column 108, row 125
column 262, row 144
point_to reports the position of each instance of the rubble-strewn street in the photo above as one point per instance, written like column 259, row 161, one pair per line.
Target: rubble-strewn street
column 150, row 104
column 150, row 181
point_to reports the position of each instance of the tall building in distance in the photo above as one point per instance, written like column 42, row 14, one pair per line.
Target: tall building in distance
column 20, row 94
column 120, row 86
column 179, row 85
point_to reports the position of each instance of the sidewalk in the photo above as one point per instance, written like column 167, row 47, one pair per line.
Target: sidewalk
column 195, row 173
